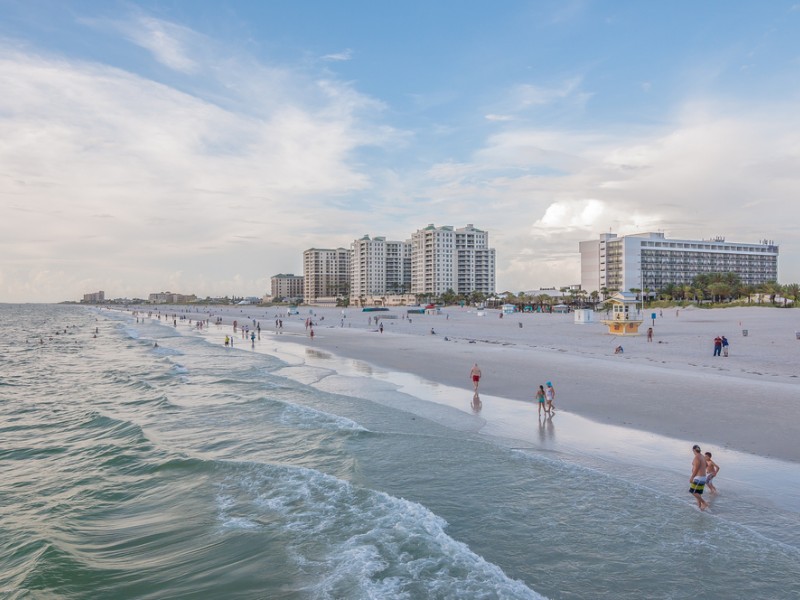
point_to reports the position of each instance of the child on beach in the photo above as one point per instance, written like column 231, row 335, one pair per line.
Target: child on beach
column 712, row 469
column 550, row 395
column 540, row 399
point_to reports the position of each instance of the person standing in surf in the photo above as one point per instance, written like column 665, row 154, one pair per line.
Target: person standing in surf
column 697, row 480
column 712, row 469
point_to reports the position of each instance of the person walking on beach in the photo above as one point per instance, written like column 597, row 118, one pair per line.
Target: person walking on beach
column 550, row 396
column 649, row 334
column 475, row 373
column 712, row 469
column 724, row 346
column 697, row 480
column 717, row 346
column 540, row 399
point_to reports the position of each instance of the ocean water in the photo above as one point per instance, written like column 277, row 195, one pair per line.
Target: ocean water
column 190, row 470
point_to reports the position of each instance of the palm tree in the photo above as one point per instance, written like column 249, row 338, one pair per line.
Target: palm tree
column 772, row 289
column 792, row 290
column 544, row 300
column 746, row 290
column 448, row 297
column 719, row 290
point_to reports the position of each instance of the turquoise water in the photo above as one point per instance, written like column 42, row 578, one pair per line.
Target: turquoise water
column 189, row 470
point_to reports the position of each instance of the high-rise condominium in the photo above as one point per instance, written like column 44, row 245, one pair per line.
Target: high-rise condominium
column 444, row 258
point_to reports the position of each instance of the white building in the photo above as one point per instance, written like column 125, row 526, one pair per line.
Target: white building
column 379, row 267
column 443, row 258
column 94, row 297
column 286, row 286
column 398, row 267
column 170, row 298
column 650, row 261
column 326, row 275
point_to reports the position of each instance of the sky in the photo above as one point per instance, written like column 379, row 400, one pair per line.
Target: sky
column 201, row 146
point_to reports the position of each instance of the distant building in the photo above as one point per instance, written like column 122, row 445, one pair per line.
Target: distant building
column 379, row 267
column 651, row 261
column 379, row 271
column 326, row 275
column 94, row 297
column 552, row 292
column 286, row 287
column 170, row 298
column 444, row 258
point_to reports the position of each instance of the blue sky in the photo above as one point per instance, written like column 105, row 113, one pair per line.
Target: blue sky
column 200, row 147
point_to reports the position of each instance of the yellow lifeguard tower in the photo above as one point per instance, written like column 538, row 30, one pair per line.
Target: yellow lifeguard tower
column 625, row 316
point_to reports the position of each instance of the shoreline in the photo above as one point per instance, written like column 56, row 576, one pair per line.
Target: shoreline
column 748, row 402
column 626, row 451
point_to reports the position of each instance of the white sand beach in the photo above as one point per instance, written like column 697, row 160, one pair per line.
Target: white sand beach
column 672, row 386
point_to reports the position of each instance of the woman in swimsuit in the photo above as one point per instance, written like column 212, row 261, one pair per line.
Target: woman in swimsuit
column 540, row 399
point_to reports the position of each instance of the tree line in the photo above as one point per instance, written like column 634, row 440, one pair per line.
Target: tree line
column 726, row 287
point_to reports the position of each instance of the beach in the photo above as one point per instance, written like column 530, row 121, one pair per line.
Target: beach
column 673, row 386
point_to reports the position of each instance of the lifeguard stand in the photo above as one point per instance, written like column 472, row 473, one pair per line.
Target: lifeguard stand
column 625, row 316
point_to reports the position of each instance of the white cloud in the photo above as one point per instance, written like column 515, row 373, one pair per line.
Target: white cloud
column 102, row 167
column 527, row 95
column 170, row 44
column 526, row 101
column 164, row 41
column 492, row 117
column 580, row 214
column 344, row 55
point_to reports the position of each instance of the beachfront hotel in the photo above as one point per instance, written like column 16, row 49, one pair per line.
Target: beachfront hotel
column 94, row 297
column 326, row 275
column 650, row 261
column 286, row 286
column 379, row 267
column 444, row 258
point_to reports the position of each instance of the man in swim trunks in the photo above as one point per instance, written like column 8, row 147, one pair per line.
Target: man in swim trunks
column 475, row 373
column 697, row 480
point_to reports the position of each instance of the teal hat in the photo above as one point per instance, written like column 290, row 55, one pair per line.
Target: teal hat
column 549, row 383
